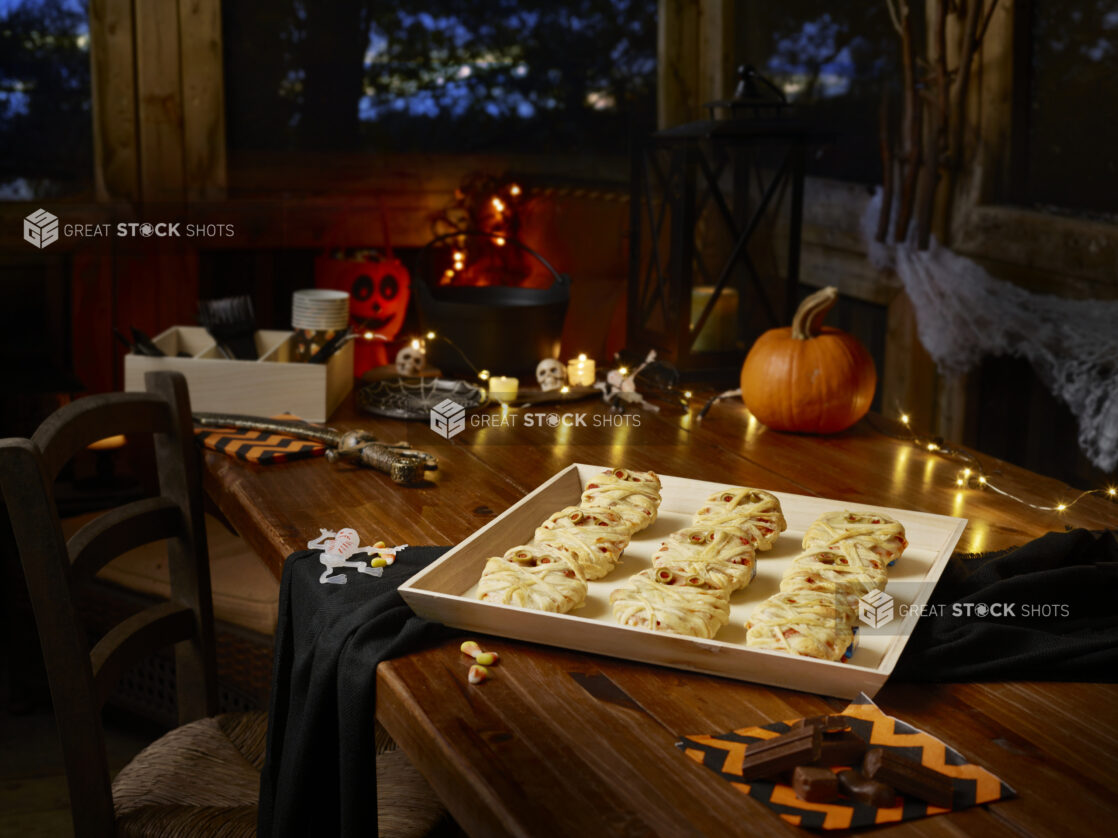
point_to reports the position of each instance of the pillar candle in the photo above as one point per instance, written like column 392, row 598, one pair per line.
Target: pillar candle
column 580, row 372
column 503, row 388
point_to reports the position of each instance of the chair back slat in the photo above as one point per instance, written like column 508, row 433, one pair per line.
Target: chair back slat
column 125, row 528
column 46, row 568
column 85, row 421
column 28, row 469
column 180, row 480
column 134, row 639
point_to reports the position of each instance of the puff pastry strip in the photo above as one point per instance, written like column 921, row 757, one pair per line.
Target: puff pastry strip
column 672, row 606
column 756, row 512
column 533, row 577
column 634, row 495
column 593, row 537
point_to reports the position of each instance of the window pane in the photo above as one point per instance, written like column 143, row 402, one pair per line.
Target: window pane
column 832, row 60
column 1073, row 142
column 441, row 75
column 45, row 116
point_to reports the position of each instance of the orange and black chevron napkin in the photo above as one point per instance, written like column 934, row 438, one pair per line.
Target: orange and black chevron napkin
column 723, row 753
column 259, row 446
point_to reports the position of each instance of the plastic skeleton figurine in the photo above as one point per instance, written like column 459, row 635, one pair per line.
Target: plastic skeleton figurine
column 620, row 387
column 339, row 547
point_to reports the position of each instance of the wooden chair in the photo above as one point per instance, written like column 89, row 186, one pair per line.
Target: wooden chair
column 202, row 778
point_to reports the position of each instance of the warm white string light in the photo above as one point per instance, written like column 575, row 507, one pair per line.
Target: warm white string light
column 974, row 476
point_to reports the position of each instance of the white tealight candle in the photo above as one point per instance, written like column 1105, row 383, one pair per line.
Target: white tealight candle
column 580, row 372
column 503, row 388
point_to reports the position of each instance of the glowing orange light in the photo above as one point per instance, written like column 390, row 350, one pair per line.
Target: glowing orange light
column 514, row 190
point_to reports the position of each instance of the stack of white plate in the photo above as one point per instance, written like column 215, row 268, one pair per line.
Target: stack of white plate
column 319, row 309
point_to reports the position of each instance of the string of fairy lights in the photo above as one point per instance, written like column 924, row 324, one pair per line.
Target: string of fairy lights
column 973, row 476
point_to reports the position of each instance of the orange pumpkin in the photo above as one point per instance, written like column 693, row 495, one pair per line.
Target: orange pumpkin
column 808, row 377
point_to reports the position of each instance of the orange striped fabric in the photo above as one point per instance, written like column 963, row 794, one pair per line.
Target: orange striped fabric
column 259, row 446
column 723, row 754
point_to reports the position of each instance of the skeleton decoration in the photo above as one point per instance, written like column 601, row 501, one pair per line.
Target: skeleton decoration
column 411, row 360
column 550, row 374
column 339, row 547
column 620, row 387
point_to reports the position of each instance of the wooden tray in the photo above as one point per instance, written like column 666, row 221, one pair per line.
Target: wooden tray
column 446, row 591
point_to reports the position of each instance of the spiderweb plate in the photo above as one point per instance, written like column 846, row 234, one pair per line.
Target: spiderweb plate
column 413, row 399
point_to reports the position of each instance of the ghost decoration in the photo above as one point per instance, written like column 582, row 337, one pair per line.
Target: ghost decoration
column 411, row 360
column 550, row 374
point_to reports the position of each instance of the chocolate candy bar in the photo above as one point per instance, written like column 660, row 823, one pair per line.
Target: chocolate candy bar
column 841, row 748
column 866, row 791
column 814, row 784
column 828, row 724
column 770, row 757
column 908, row 777
column 839, row 745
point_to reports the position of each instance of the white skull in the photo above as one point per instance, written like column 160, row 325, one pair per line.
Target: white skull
column 410, row 361
column 550, row 374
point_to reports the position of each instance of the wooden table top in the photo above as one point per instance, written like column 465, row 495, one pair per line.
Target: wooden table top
column 566, row 743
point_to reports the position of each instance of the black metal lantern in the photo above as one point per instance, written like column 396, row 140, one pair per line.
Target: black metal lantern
column 715, row 222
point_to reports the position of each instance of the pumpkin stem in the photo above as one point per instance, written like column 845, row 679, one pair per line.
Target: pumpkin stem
column 808, row 320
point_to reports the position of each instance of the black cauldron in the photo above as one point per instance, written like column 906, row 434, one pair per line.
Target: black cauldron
column 505, row 330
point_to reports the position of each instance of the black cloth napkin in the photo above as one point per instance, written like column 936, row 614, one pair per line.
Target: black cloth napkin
column 319, row 774
column 1062, row 590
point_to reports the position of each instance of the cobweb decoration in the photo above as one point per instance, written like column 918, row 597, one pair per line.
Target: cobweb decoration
column 964, row 314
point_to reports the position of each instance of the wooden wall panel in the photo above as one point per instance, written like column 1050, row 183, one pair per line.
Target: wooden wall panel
column 203, row 99
column 116, row 156
column 159, row 101
column 677, row 68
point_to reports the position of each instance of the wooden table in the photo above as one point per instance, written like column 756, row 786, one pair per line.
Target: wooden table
column 573, row 744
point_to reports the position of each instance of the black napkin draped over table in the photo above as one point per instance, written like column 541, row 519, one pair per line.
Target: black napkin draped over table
column 319, row 775
column 320, row 772
column 1071, row 575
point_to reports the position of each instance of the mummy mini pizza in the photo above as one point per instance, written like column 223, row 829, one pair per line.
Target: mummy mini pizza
column 721, row 556
column 675, row 603
column 533, row 577
column 873, row 531
column 634, row 495
column 833, row 571
column 593, row 538
column 805, row 623
column 757, row 513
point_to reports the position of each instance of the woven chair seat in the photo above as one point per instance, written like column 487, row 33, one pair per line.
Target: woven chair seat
column 200, row 779
column 204, row 779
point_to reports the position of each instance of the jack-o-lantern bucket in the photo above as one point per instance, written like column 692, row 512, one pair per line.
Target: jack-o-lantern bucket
column 379, row 292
